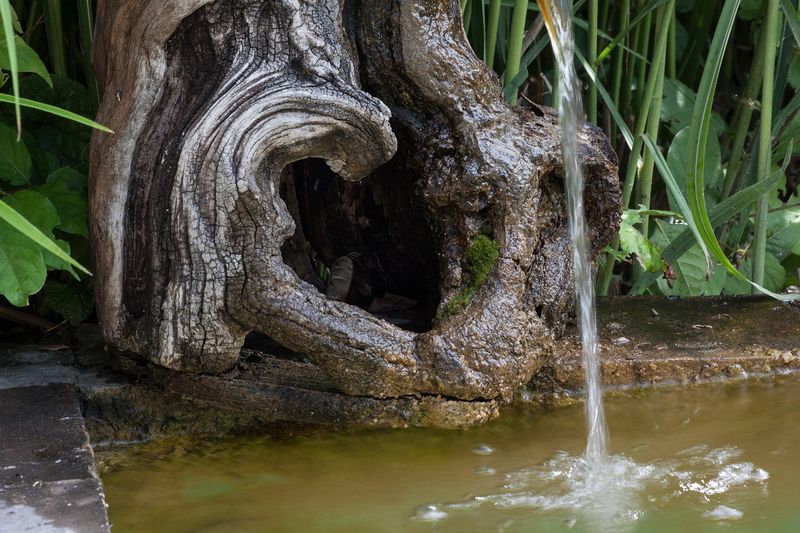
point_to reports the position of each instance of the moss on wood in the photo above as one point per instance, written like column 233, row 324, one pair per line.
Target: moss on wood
column 481, row 257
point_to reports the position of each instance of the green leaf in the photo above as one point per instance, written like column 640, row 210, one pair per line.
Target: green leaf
column 31, row 232
column 677, row 106
column 36, row 208
column 658, row 213
column 71, row 207
column 774, row 276
column 676, row 194
column 698, row 136
column 689, row 268
column 15, row 160
column 22, row 269
column 632, row 242
column 66, row 139
column 27, row 60
column 15, row 21
column 40, row 211
column 74, row 180
column 74, row 301
column 678, row 155
column 783, row 231
column 55, row 263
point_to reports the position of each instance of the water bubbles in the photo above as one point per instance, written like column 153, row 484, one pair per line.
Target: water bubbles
column 485, row 471
column 723, row 512
column 430, row 513
column 483, row 449
column 717, row 456
column 730, row 476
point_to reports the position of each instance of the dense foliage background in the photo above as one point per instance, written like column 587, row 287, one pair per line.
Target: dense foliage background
column 43, row 164
column 646, row 64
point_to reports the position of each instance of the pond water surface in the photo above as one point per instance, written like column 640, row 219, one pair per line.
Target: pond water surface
column 697, row 459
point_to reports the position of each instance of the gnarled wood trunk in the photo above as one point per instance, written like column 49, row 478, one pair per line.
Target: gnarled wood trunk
column 213, row 213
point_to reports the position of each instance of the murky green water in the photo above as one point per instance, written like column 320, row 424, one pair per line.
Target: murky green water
column 695, row 459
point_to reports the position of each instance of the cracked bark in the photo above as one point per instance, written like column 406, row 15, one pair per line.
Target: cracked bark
column 216, row 103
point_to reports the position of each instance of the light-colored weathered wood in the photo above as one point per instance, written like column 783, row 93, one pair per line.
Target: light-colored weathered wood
column 215, row 102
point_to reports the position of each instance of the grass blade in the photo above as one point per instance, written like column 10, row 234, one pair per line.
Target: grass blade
column 654, row 4
column 21, row 224
column 612, row 108
column 792, row 19
column 677, row 193
column 699, row 131
column 8, row 31
column 53, row 110
column 86, row 24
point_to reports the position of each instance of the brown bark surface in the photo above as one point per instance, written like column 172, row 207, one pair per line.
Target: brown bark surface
column 260, row 140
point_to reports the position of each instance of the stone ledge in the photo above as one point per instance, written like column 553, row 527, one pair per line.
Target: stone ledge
column 649, row 341
column 48, row 479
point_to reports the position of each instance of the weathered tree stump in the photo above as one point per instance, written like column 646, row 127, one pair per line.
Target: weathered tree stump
column 261, row 144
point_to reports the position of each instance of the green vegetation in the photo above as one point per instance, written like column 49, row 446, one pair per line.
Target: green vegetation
column 481, row 257
column 44, row 142
column 699, row 100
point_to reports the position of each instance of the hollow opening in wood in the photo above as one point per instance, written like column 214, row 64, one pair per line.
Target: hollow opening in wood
column 368, row 243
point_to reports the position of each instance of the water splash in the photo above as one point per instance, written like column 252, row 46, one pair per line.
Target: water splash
column 558, row 19
column 617, row 494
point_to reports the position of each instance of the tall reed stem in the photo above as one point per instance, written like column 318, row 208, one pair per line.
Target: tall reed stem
column 619, row 63
column 55, row 36
column 642, row 68
column 764, row 140
column 515, row 38
column 744, row 115
column 491, row 36
column 591, row 110
column 654, row 115
column 634, row 160
column 86, row 23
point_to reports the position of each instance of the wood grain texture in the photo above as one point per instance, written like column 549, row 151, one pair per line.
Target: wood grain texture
column 214, row 102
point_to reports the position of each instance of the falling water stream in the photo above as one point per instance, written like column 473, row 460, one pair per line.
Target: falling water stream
column 558, row 19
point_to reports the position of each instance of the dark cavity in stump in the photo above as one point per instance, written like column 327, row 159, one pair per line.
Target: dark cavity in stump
column 367, row 243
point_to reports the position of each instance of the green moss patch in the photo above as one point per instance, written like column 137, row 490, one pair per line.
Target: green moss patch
column 481, row 257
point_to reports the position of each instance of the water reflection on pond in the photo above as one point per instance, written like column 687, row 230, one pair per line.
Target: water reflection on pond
column 701, row 457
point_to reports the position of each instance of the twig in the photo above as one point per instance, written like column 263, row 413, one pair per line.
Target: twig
column 533, row 32
column 26, row 319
